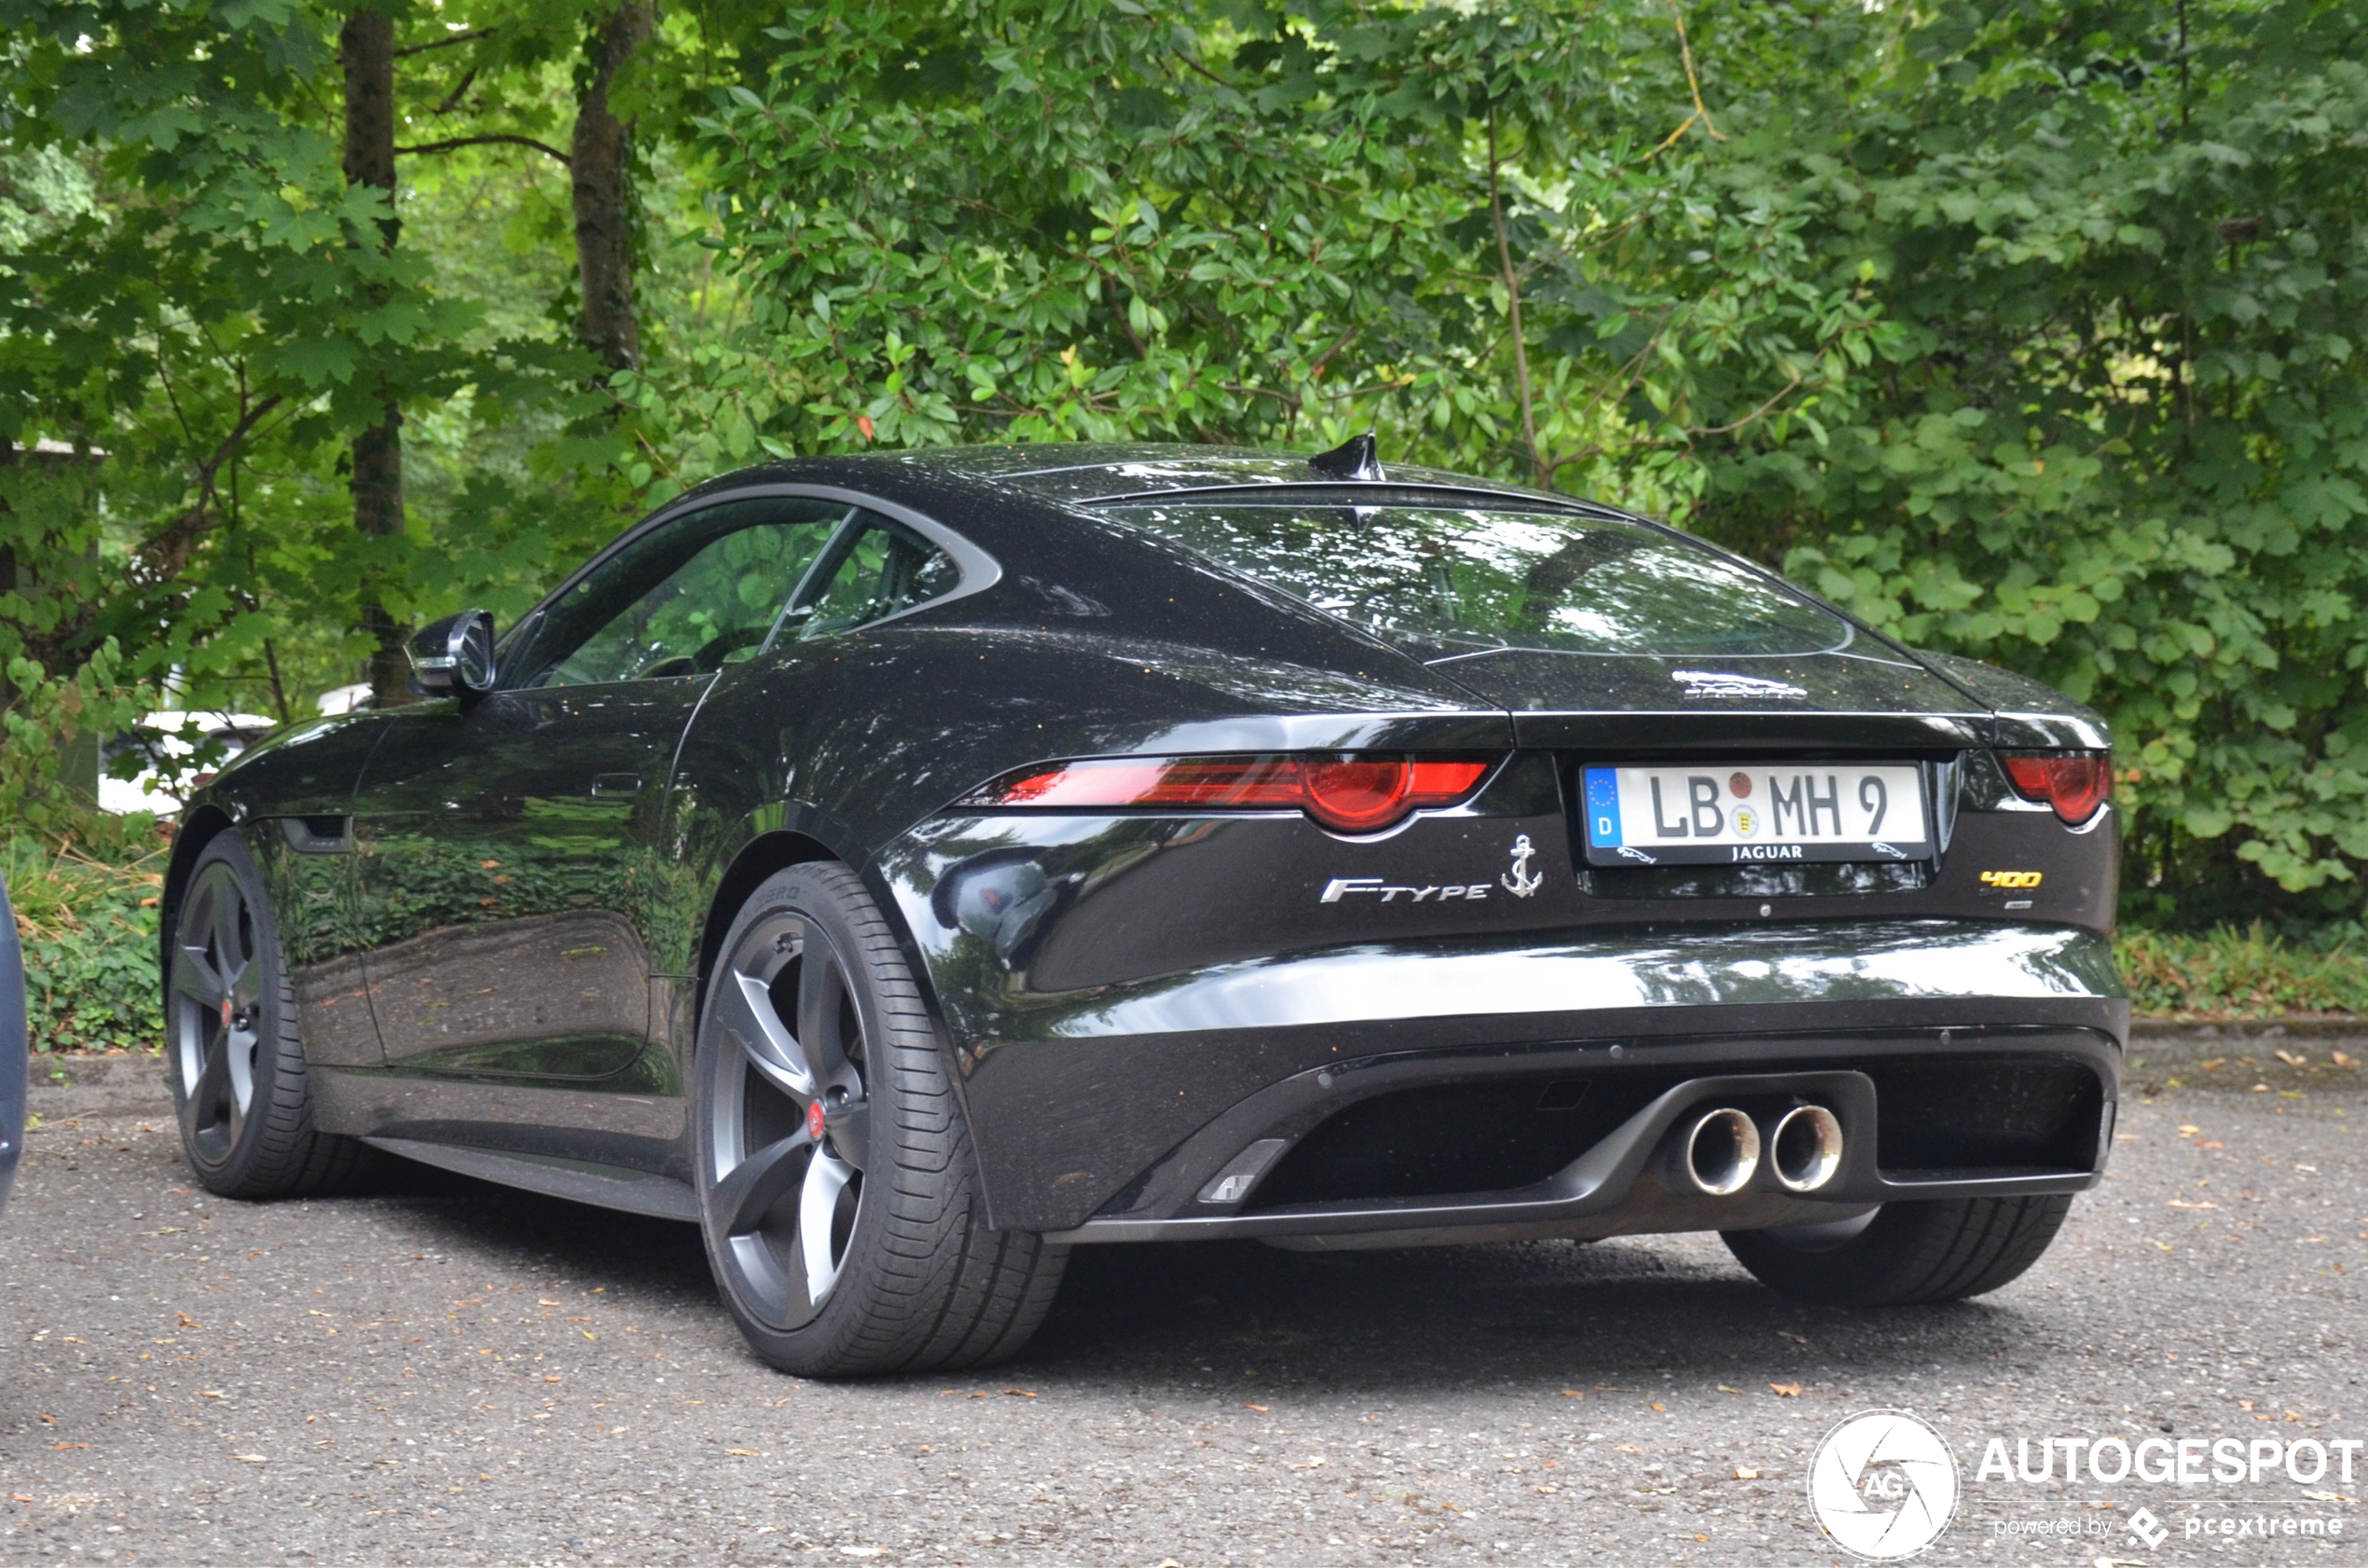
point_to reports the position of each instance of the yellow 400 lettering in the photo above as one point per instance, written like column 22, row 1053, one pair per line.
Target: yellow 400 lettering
column 2011, row 878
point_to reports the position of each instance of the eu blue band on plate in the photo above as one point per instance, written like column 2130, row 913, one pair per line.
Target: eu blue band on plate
column 1603, row 808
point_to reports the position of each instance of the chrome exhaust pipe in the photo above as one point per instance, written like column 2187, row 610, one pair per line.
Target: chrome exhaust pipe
column 1805, row 1149
column 1719, row 1152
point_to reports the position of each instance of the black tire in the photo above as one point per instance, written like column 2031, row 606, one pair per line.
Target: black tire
column 812, row 1019
column 240, row 1089
column 1908, row 1253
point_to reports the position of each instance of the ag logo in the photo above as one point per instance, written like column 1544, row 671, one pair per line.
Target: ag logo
column 1883, row 1484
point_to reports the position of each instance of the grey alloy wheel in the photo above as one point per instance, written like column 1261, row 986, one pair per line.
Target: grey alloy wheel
column 838, row 1193
column 214, row 1009
column 241, row 1087
column 788, row 1126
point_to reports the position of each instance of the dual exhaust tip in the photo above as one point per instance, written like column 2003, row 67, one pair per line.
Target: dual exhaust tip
column 1718, row 1152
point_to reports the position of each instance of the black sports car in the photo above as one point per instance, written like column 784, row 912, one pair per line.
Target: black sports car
column 910, row 867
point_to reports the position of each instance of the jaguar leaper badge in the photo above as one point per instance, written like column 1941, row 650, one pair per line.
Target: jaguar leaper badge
column 1521, row 880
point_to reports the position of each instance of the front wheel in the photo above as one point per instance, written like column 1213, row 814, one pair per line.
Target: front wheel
column 240, row 1086
column 1904, row 1254
column 836, row 1182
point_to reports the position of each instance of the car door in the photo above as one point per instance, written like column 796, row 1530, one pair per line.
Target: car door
column 506, row 849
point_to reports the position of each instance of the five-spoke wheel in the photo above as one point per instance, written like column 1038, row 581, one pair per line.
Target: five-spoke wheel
column 837, row 1187
column 789, row 1129
column 231, row 1047
column 214, row 1002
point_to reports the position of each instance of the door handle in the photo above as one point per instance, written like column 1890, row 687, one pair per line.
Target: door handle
column 616, row 784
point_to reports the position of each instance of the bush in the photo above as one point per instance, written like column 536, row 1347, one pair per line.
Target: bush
column 2229, row 972
column 89, row 928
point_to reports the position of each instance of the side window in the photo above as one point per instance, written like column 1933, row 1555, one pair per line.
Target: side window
column 876, row 570
column 698, row 594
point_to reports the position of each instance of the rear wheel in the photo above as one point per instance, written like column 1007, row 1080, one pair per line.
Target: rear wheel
column 836, row 1181
column 1904, row 1254
column 240, row 1087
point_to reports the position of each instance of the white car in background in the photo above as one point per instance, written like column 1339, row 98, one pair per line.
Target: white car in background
column 178, row 751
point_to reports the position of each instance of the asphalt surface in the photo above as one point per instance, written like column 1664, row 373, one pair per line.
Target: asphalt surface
column 441, row 1371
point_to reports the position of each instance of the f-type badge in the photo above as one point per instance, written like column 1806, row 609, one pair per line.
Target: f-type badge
column 1521, row 880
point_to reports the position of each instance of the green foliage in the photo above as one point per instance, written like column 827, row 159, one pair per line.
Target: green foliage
column 2026, row 329
column 2247, row 973
column 88, row 926
column 44, row 716
column 2023, row 330
column 2121, row 442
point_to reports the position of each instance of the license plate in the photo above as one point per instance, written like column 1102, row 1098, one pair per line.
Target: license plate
column 1718, row 815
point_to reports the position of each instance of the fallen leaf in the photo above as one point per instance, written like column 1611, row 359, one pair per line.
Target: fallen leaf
column 2292, row 1060
column 2178, row 1204
column 1787, row 1390
column 1723, row 1389
column 250, row 1458
column 2212, row 1146
column 1701, row 1537
column 69, row 1445
column 1788, row 1334
column 1743, row 1474
column 744, row 1453
column 2343, row 1061
column 1630, row 1448
column 2261, row 1089
column 1574, row 1393
column 188, row 1322
column 1020, row 1393
column 210, row 1394
column 1546, row 1489
column 2188, row 1129
column 1663, row 1409
column 1259, row 1408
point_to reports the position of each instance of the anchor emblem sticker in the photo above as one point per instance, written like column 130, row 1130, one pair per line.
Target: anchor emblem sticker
column 1521, row 880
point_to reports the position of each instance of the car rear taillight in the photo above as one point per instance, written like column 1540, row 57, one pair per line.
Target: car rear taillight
column 1350, row 794
column 2075, row 784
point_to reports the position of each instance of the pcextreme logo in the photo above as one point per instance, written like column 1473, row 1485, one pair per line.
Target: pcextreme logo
column 1883, row 1484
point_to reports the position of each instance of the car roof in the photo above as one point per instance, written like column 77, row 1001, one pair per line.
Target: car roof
column 1083, row 473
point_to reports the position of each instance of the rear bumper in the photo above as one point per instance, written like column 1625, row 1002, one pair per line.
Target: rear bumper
column 2012, row 1111
column 1100, row 1113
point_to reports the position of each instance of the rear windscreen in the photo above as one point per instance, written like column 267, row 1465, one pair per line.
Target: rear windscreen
column 1442, row 581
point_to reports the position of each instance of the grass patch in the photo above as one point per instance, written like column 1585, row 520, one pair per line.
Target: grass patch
column 89, row 929
column 2241, row 972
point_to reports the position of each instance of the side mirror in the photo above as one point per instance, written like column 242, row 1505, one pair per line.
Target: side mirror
column 454, row 657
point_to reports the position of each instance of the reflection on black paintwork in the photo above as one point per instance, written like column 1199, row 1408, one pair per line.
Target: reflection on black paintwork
column 1441, row 580
column 504, row 861
column 1756, row 964
column 313, row 903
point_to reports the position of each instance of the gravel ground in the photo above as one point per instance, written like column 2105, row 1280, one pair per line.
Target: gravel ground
column 443, row 1371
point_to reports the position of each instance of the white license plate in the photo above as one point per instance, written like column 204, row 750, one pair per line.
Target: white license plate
column 1721, row 813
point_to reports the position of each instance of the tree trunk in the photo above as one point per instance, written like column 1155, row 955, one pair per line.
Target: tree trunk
column 366, row 42
column 599, row 164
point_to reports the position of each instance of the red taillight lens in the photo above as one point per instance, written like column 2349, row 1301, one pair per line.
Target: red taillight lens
column 2074, row 785
column 1353, row 794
